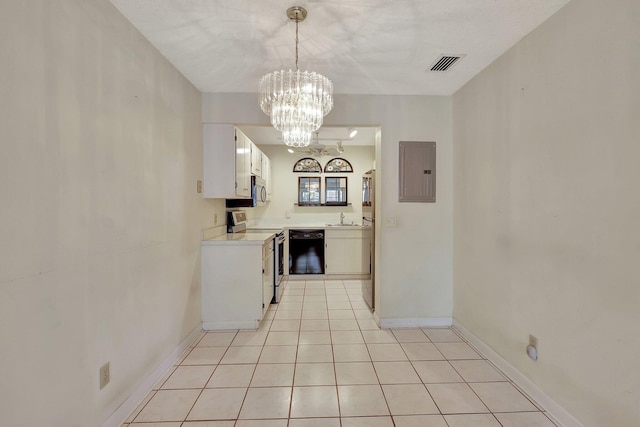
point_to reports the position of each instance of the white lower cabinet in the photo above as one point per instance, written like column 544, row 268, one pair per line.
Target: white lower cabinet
column 237, row 284
column 346, row 251
column 267, row 276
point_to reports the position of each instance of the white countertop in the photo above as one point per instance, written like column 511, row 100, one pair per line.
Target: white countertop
column 305, row 227
column 344, row 227
column 265, row 228
column 258, row 234
column 249, row 238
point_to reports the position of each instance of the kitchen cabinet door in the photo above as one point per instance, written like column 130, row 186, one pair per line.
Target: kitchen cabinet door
column 267, row 276
column 346, row 252
column 226, row 162
column 266, row 174
column 243, row 164
column 256, row 161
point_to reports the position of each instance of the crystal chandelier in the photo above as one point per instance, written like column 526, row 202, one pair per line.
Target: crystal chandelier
column 296, row 100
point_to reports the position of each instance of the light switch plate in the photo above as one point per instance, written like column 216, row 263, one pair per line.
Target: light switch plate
column 105, row 375
column 390, row 221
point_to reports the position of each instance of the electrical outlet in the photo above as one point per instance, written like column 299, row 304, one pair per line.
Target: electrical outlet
column 105, row 375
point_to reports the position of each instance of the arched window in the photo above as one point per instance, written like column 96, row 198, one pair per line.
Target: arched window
column 307, row 164
column 338, row 165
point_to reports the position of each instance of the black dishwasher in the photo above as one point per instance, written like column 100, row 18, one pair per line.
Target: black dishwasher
column 306, row 251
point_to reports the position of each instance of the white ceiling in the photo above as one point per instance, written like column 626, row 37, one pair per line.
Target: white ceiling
column 327, row 135
column 364, row 46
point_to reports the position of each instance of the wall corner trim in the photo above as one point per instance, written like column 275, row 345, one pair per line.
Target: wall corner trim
column 556, row 412
column 120, row 415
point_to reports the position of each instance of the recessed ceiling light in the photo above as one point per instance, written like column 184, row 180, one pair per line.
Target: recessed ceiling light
column 352, row 132
column 290, row 150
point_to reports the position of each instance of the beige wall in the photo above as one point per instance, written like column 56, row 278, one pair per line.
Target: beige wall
column 546, row 234
column 285, row 185
column 99, row 218
column 414, row 259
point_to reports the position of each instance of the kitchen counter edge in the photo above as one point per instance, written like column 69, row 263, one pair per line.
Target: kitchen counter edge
column 252, row 238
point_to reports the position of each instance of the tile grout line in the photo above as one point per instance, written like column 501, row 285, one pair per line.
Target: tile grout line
column 296, row 362
column 508, row 379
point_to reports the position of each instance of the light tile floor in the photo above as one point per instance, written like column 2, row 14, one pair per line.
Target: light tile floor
column 319, row 360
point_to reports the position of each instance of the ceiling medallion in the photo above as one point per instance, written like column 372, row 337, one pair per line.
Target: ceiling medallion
column 296, row 101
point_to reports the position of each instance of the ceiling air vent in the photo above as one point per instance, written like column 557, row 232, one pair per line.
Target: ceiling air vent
column 445, row 62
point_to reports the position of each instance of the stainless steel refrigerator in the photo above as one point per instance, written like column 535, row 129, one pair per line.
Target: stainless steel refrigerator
column 368, row 220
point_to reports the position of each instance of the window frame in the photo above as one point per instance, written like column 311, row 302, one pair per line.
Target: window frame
column 309, row 179
column 344, row 201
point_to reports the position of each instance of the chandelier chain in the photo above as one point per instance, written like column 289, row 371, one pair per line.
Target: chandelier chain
column 297, row 20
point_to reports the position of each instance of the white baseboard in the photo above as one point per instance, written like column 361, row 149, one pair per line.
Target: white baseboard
column 130, row 404
column 428, row 322
column 556, row 412
column 218, row 326
column 310, row 277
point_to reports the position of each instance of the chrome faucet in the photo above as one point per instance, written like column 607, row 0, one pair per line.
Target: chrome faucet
column 341, row 218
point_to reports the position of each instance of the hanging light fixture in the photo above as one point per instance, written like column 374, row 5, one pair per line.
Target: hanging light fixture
column 296, row 100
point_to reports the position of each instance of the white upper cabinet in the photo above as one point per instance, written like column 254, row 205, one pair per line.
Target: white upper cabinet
column 226, row 162
column 256, row 161
column 243, row 164
column 266, row 174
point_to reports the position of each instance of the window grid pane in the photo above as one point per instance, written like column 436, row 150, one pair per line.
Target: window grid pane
column 309, row 191
column 336, row 190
